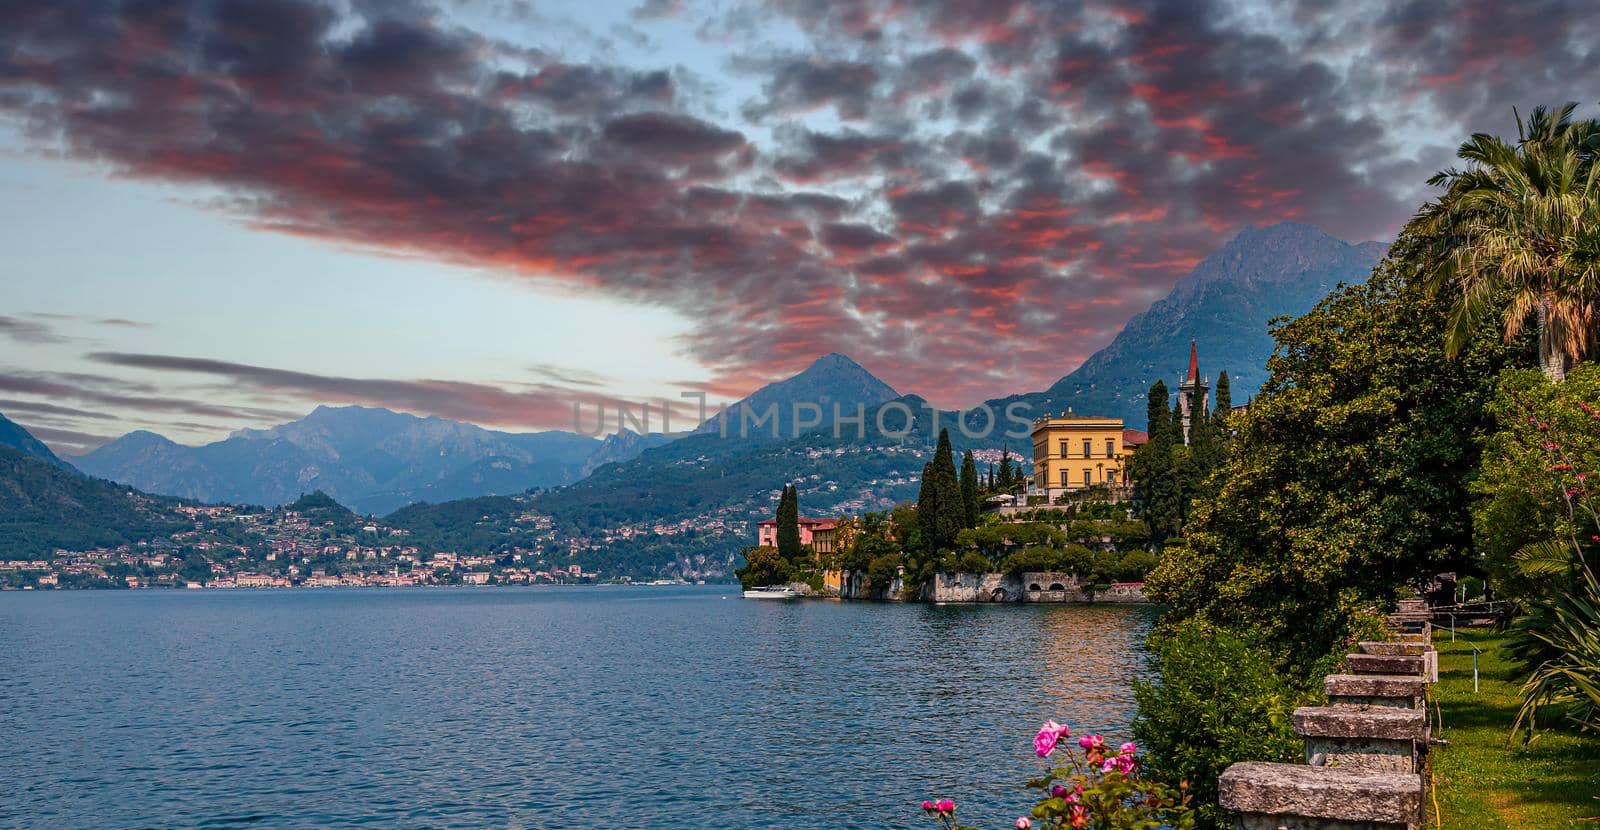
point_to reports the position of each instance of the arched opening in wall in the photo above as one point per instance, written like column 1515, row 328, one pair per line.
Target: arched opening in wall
column 1033, row 586
column 999, row 595
column 1056, row 586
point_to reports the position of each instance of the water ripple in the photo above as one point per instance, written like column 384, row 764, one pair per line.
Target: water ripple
column 536, row 708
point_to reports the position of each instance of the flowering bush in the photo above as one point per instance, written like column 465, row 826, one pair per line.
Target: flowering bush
column 1094, row 788
column 1540, row 481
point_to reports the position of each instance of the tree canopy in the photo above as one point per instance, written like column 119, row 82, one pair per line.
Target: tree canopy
column 1349, row 474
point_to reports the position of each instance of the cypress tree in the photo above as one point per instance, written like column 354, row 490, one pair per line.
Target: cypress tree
column 1006, row 480
column 1221, row 431
column 950, row 516
column 928, row 507
column 789, row 523
column 969, row 490
column 1155, row 470
column 991, row 477
column 1156, row 410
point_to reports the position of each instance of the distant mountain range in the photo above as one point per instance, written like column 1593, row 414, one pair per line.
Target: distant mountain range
column 372, row 460
column 375, row 460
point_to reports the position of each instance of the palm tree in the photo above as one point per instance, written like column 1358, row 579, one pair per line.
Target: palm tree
column 1520, row 226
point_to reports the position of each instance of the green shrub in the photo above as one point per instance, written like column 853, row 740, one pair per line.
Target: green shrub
column 1134, row 565
column 763, row 566
column 883, row 570
column 1219, row 700
column 1032, row 559
column 1556, row 644
column 973, row 563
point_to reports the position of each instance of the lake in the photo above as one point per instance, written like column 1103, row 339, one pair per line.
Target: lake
column 538, row 707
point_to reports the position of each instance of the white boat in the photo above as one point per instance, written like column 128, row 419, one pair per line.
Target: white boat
column 772, row 592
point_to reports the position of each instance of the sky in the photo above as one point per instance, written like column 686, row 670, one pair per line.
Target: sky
column 220, row 214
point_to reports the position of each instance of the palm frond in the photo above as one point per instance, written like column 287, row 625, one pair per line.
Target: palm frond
column 1545, row 558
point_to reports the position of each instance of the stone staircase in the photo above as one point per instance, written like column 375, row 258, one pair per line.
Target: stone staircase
column 1366, row 751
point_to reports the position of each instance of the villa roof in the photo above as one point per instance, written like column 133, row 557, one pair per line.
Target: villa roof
column 1134, row 437
column 814, row 524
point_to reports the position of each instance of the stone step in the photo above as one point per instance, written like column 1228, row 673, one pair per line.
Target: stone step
column 1270, row 796
column 1411, row 605
column 1391, row 648
column 1376, row 722
column 1405, row 691
column 1373, row 738
column 1385, row 664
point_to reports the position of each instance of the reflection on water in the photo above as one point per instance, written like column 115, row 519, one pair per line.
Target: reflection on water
column 537, row 708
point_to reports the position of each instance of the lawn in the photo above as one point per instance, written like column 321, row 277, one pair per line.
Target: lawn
column 1484, row 781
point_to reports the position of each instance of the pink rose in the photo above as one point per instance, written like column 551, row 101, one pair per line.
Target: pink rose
column 1049, row 735
column 928, row 806
column 1092, row 742
column 947, row 806
column 1129, row 748
column 1023, row 823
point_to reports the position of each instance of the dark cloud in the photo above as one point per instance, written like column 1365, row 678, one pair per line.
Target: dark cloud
column 31, row 332
column 972, row 194
column 68, row 442
column 121, row 396
column 656, row 9
column 802, row 84
column 9, row 405
column 541, row 404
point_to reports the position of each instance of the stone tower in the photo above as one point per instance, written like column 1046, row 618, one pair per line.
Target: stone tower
column 1192, row 392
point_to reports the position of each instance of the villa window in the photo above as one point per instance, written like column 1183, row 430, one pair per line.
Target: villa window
column 1088, row 477
column 1111, row 476
column 1111, row 448
column 1064, row 481
column 1087, row 453
column 1063, row 449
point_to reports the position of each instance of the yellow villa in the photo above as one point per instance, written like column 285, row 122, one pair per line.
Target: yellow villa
column 1071, row 452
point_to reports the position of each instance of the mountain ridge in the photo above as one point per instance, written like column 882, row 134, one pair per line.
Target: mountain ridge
column 15, row 436
column 1224, row 305
column 830, row 380
column 372, row 459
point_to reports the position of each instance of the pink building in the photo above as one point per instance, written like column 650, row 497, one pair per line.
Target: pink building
column 818, row 533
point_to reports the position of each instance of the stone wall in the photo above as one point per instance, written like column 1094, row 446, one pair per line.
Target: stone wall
column 853, row 585
column 996, row 587
column 1123, row 592
column 1048, row 586
column 965, row 587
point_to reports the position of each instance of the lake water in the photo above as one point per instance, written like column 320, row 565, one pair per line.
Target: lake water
column 537, row 708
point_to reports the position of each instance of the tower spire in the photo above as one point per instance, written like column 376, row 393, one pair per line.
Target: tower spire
column 1194, row 363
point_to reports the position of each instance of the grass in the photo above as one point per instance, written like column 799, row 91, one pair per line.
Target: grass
column 1486, row 778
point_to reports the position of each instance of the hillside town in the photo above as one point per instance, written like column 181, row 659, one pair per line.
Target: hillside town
column 314, row 546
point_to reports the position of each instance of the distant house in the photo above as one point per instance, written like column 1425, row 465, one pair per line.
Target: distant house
column 818, row 533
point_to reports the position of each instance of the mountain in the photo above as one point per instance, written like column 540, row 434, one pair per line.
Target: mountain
column 832, row 380
column 373, row 460
column 1224, row 305
column 44, row 506
column 685, row 507
column 622, row 445
column 718, row 486
column 14, row 436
